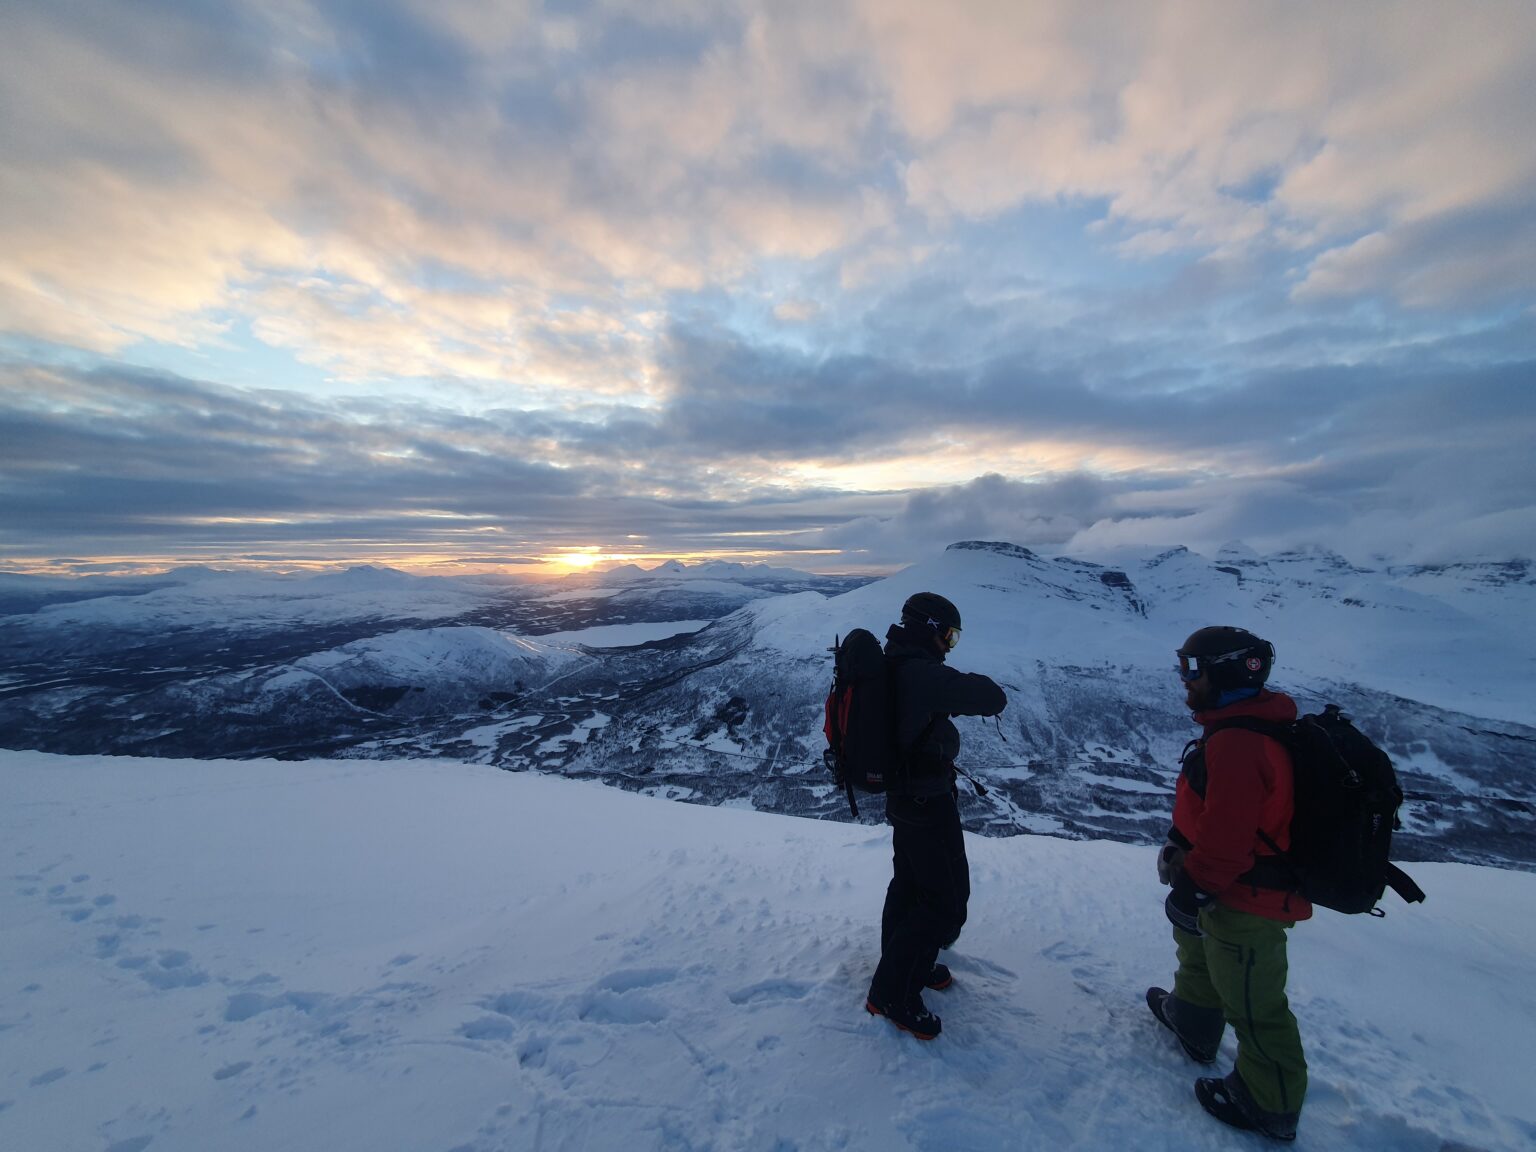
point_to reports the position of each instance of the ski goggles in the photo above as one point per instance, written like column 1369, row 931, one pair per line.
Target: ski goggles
column 1191, row 668
column 950, row 637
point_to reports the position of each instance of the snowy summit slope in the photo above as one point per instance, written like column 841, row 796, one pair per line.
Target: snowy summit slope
column 435, row 957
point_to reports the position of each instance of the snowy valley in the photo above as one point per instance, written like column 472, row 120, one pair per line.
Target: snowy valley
column 704, row 683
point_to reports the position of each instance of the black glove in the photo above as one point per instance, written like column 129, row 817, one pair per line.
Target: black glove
column 1170, row 862
column 1184, row 903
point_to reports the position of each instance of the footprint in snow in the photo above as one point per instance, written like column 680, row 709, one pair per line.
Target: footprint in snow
column 1064, row 952
column 605, row 1007
column 173, row 969
column 628, row 979
column 49, row 1077
column 488, row 1028
column 769, row 990
column 522, row 1005
column 979, row 966
column 532, row 1052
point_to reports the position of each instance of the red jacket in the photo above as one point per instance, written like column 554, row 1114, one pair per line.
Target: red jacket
column 1248, row 788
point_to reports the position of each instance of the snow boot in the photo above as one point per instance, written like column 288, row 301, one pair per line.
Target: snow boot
column 1230, row 1102
column 940, row 978
column 912, row 1017
column 1198, row 1029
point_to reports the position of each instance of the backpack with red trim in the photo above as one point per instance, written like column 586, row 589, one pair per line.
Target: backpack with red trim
column 860, row 716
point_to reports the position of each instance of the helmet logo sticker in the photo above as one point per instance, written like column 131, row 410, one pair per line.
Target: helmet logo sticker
column 1254, row 663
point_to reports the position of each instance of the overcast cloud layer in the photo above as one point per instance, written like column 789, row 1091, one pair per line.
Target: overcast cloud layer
column 427, row 282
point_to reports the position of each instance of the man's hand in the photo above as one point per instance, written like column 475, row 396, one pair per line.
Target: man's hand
column 1170, row 862
column 1184, row 903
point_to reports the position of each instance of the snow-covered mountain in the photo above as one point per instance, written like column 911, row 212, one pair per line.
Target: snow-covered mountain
column 345, row 956
column 1437, row 664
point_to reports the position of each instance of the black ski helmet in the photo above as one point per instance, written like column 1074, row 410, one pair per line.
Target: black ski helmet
column 931, row 609
column 1234, row 657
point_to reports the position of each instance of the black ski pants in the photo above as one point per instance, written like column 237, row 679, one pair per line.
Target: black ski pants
column 929, row 890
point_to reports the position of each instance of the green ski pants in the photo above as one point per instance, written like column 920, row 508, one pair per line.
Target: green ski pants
column 1239, row 966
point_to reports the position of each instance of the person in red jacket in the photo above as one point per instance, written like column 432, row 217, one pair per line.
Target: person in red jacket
column 1230, row 903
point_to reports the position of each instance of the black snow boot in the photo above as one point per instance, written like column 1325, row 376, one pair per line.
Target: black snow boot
column 1198, row 1029
column 940, row 978
column 1230, row 1102
column 911, row 1017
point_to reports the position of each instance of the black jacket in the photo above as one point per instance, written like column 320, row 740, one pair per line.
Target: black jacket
column 928, row 693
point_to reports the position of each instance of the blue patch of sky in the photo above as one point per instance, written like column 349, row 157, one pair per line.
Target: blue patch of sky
column 626, row 37
column 536, row 107
column 804, row 173
column 237, row 359
column 1258, row 188
column 1068, row 242
column 437, row 276
column 383, row 39
column 1046, row 247
column 18, row 349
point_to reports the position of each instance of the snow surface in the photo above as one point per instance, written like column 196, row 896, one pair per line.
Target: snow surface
column 438, row 957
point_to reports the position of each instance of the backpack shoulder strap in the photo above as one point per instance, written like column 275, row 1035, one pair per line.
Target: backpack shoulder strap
column 894, row 663
column 1402, row 883
column 1274, row 729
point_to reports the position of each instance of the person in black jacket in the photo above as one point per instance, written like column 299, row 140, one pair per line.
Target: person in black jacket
column 931, row 883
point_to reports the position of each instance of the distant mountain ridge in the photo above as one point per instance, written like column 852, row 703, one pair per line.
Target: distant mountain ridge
column 1435, row 661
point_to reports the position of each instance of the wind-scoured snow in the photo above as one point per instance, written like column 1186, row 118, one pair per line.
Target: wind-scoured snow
column 426, row 956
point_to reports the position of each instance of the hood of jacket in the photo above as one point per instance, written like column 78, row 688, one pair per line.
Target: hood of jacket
column 907, row 643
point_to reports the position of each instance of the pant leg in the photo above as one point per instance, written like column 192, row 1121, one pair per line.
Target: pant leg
column 1195, row 1009
column 1246, row 958
column 1192, row 982
column 926, row 904
column 900, row 894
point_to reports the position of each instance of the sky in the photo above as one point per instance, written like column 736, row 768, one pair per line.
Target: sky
column 521, row 287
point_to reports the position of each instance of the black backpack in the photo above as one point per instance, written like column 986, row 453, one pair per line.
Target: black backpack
column 860, row 723
column 1346, row 802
